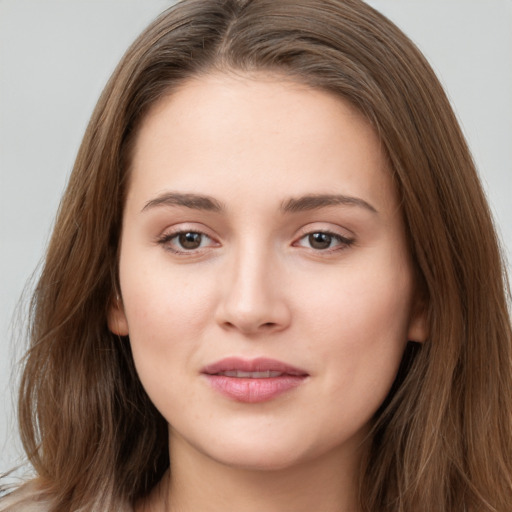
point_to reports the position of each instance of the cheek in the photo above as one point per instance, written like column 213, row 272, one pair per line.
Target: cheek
column 167, row 312
column 358, row 329
column 167, row 316
column 362, row 306
column 156, row 293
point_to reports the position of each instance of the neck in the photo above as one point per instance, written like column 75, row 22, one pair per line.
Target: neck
column 328, row 483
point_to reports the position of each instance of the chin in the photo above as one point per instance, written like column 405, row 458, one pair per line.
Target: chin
column 254, row 453
column 259, row 459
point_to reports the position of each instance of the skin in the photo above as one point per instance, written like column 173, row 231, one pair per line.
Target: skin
column 259, row 286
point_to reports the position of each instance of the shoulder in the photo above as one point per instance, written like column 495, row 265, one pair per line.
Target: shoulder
column 30, row 497
column 26, row 498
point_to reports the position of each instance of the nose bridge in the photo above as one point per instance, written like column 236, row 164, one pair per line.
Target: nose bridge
column 252, row 299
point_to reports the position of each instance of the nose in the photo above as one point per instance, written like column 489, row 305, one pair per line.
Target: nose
column 253, row 299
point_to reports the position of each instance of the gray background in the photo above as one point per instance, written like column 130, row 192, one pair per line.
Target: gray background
column 56, row 55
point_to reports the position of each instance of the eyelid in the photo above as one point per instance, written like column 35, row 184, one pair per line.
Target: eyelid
column 171, row 232
column 325, row 227
column 345, row 239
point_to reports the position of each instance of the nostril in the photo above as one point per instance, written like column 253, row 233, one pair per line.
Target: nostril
column 251, row 317
column 248, row 328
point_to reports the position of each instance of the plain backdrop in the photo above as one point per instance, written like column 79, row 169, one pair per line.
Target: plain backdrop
column 56, row 55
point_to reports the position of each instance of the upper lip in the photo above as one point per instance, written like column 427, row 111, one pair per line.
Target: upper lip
column 261, row 364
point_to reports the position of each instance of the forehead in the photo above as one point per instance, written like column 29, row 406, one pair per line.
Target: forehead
column 262, row 129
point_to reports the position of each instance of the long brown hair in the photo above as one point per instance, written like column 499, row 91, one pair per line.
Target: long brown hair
column 442, row 441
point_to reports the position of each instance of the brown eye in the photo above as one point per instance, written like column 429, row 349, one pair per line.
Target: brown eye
column 186, row 242
column 190, row 240
column 320, row 240
column 324, row 241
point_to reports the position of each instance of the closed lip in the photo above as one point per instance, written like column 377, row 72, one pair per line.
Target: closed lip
column 253, row 380
column 258, row 365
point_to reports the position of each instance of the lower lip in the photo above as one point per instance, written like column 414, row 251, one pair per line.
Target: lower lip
column 254, row 390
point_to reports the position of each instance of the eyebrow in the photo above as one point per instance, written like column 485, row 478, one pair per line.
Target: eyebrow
column 192, row 201
column 292, row 205
column 317, row 201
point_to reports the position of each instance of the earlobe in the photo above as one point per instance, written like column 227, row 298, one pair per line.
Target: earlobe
column 116, row 318
column 418, row 329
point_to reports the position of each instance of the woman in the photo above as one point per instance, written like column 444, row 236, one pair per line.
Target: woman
column 265, row 286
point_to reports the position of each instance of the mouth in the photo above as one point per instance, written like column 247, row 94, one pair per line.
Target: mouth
column 250, row 375
column 253, row 381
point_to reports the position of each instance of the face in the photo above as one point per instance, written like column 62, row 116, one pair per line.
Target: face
column 266, row 285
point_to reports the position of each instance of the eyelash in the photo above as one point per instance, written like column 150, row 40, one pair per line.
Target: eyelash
column 166, row 239
column 342, row 242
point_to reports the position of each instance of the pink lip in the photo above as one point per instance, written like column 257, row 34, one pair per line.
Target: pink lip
column 249, row 389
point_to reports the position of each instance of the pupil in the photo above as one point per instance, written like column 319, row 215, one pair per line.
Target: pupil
column 320, row 240
column 190, row 240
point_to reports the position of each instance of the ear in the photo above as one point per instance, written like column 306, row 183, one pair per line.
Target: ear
column 418, row 327
column 116, row 318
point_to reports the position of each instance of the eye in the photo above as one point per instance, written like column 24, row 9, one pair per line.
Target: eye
column 324, row 241
column 190, row 240
column 185, row 241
